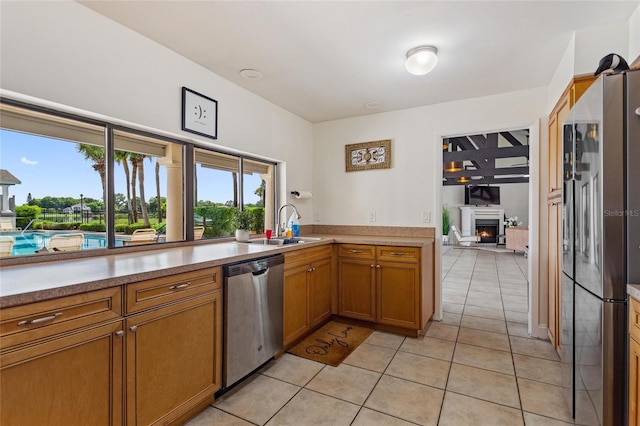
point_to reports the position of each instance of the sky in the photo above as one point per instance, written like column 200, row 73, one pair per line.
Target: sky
column 51, row 167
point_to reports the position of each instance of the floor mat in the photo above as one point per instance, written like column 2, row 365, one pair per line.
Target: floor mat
column 332, row 343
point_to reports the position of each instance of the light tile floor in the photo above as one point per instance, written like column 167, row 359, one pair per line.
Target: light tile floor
column 476, row 367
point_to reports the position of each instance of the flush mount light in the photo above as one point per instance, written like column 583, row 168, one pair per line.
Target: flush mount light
column 251, row 74
column 421, row 60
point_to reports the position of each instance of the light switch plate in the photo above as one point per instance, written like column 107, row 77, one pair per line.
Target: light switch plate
column 426, row 216
column 372, row 216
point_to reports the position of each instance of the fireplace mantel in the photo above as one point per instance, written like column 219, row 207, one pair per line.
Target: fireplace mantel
column 469, row 215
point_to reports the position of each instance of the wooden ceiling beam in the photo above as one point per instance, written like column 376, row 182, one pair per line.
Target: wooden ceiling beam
column 481, row 155
column 486, row 180
column 489, row 172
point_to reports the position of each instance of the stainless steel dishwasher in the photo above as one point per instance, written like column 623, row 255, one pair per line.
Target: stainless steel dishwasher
column 253, row 315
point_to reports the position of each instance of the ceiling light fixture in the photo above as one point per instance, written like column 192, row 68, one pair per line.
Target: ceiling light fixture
column 453, row 166
column 421, row 60
column 251, row 74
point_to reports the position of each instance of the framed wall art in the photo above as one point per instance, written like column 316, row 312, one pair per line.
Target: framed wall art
column 368, row 155
column 199, row 114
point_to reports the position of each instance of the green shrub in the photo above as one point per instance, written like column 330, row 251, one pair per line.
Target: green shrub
column 93, row 227
column 25, row 213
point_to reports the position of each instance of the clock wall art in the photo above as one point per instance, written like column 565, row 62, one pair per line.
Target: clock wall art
column 199, row 114
column 368, row 155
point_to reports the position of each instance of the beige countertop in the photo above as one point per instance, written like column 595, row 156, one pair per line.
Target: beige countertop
column 33, row 282
column 633, row 290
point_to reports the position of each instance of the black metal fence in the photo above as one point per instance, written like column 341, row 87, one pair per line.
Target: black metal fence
column 60, row 216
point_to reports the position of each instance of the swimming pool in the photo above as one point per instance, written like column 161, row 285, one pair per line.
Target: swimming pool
column 31, row 241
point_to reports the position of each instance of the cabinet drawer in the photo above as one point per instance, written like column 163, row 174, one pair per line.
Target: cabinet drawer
column 634, row 318
column 398, row 254
column 148, row 294
column 357, row 251
column 293, row 259
column 26, row 323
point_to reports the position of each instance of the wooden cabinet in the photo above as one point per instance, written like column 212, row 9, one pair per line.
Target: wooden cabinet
column 517, row 238
column 554, row 214
column 634, row 362
column 551, row 186
column 559, row 113
column 173, row 355
column 307, row 291
column 380, row 284
column 61, row 361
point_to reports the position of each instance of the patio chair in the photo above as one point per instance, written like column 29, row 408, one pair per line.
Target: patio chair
column 142, row 236
column 198, row 232
column 465, row 240
column 6, row 245
column 65, row 242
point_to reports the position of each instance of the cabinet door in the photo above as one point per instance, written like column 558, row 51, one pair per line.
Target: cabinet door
column 173, row 359
column 553, row 271
column 320, row 292
column 634, row 395
column 356, row 289
column 295, row 302
column 398, row 294
column 70, row 380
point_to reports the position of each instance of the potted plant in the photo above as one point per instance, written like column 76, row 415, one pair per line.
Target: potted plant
column 242, row 223
column 446, row 225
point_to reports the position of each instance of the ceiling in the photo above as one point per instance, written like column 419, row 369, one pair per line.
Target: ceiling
column 324, row 60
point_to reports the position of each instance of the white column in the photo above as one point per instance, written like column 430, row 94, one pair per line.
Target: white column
column 173, row 163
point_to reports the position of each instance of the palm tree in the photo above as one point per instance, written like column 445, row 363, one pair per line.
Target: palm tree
column 95, row 154
column 121, row 158
column 134, row 178
column 139, row 161
column 158, row 191
column 234, row 175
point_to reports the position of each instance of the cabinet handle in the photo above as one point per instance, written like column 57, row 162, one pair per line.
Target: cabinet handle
column 133, row 328
column 397, row 253
column 119, row 333
column 554, row 189
column 180, row 287
column 39, row 320
column 310, row 270
column 355, row 251
column 313, row 269
column 373, row 266
column 378, row 266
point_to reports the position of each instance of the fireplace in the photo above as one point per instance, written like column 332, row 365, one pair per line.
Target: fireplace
column 487, row 230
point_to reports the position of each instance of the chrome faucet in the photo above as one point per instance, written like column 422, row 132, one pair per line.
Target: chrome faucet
column 280, row 212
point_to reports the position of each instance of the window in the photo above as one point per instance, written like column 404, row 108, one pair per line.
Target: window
column 58, row 178
column 221, row 190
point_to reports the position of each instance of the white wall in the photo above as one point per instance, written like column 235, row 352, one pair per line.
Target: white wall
column 634, row 35
column 400, row 194
column 65, row 53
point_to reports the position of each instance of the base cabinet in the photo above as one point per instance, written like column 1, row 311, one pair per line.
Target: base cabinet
column 307, row 291
column 71, row 380
column 171, row 359
column 634, row 362
column 380, row 284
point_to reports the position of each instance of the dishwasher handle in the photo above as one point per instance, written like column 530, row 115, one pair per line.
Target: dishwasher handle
column 260, row 272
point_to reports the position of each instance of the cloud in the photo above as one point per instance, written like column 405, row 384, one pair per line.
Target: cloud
column 28, row 162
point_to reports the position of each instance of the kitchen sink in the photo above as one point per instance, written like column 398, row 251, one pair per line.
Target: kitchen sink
column 283, row 241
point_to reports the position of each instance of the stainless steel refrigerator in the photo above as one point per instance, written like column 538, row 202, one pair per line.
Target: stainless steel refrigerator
column 601, row 150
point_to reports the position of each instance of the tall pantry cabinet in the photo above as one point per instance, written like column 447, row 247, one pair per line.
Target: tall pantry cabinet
column 552, row 188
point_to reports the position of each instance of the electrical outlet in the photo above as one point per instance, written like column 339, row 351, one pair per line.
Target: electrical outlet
column 316, row 216
column 372, row 216
column 426, row 216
